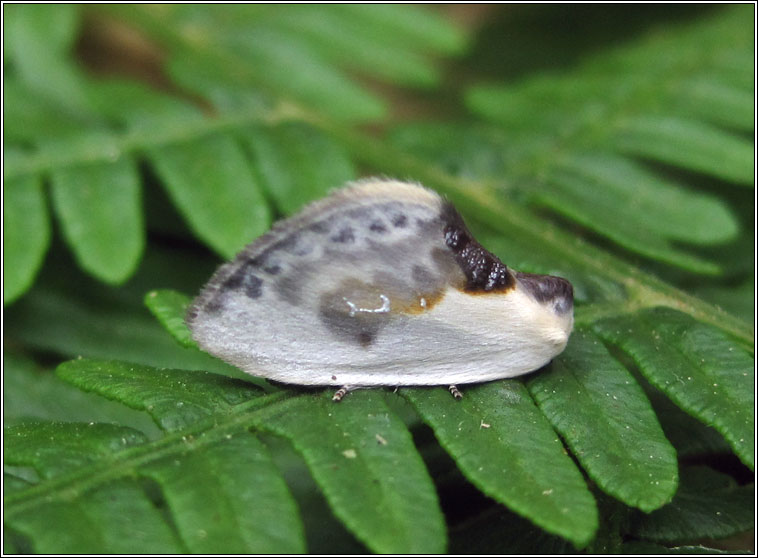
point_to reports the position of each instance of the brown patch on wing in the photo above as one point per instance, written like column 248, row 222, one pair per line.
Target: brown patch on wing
column 357, row 311
column 404, row 298
column 417, row 304
column 485, row 273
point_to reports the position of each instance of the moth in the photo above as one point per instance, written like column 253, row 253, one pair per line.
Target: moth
column 379, row 284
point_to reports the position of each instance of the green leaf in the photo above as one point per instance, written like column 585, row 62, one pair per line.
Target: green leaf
column 606, row 193
column 241, row 505
column 174, row 398
column 42, row 63
column 547, row 260
column 409, row 26
column 606, row 420
column 363, row 458
column 11, row 483
column 104, row 330
column 292, row 70
column 689, row 436
column 116, row 519
column 637, row 209
column 468, row 150
column 737, row 299
column 324, row 533
column 216, row 482
column 104, row 323
column 29, row 117
column 696, row 365
column 26, row 235
column 33, row 393
column 498, row 531
column 101, row 215
column 708, row 505
column 212, row 184
column 506, row 447
column 718, row 102
column 689, row 144
column 297, row 164
column 628, row 99
column 53, row 448
column 170, row 307
column 661, row 207
column 145, row 112
column 379, row 41
column 26, row 22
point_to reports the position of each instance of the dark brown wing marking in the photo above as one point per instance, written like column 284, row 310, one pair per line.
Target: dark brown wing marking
column 484, row 271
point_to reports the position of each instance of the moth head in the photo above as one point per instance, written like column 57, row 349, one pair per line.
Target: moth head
column 554, row 297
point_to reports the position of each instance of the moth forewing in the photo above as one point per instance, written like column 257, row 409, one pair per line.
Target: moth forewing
column 380, row 283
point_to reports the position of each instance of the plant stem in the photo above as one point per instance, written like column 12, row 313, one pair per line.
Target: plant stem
column 67, row 487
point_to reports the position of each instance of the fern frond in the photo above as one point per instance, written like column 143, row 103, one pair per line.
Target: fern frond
column 207, row 441
column 678, row 521
column 87, row 136
column 615, row 172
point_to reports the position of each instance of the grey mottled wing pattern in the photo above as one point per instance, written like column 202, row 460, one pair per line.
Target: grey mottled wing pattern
column 338, row 285
column 379, row 284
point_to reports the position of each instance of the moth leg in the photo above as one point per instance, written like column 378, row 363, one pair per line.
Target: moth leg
column 455, row 392
column 340, row 393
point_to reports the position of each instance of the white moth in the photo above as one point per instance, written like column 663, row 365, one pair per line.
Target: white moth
column 379, row 284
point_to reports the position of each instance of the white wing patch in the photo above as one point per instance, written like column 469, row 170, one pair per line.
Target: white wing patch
column 379, row 284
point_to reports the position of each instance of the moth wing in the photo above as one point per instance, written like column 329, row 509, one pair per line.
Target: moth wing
column 378, row 284
column 338, row 290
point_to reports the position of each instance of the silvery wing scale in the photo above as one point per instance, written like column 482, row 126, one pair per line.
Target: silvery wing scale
column 379, row 284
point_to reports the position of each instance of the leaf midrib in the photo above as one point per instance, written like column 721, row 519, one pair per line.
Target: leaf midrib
column 203, row 433
column 134, row 142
